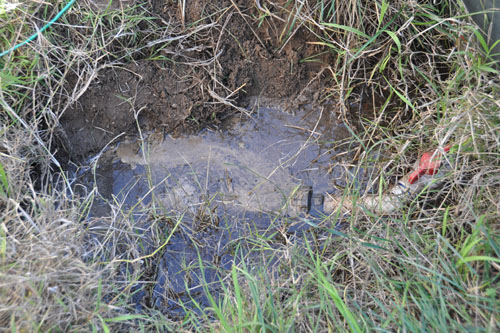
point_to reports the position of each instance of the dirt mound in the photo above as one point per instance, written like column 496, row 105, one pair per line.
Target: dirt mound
column 218, row 55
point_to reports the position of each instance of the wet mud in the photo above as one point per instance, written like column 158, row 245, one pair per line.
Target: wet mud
column 263, row 174
column 253, row 165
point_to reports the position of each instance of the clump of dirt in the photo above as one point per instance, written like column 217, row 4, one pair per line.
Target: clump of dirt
column 225, row 57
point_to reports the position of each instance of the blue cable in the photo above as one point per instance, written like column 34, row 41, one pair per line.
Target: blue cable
column 35, row 35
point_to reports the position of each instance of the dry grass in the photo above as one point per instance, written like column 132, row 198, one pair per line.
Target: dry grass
column 44, row 283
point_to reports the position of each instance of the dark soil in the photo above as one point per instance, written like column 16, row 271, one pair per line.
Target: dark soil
column 234, row 59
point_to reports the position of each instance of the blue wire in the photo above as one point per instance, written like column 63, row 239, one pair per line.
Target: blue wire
column 35, row 35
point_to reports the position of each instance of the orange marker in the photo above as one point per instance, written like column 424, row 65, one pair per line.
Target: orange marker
column 428, row 165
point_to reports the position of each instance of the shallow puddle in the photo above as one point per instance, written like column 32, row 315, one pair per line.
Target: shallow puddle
column 261, row 172
column 261, row 164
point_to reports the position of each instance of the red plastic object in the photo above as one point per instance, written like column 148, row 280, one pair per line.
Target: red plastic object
column 428, row 165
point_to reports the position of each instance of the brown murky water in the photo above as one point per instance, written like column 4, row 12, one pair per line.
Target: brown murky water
column 261, row 173
column 257, row 165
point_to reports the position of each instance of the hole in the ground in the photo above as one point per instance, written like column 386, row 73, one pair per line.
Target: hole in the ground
column 255, row 177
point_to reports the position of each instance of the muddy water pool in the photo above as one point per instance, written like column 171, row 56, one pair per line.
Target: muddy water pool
column 260, row 174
